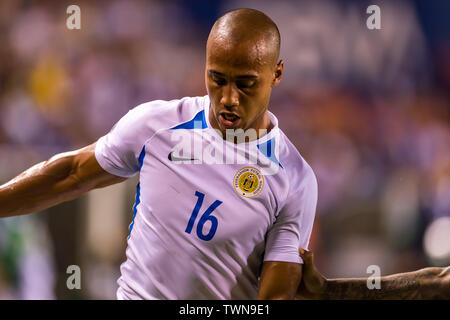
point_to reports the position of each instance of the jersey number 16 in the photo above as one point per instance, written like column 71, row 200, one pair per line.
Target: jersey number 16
column 204, row 218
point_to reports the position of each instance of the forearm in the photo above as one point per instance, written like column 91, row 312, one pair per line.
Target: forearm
column 62, row 178
column 420, row 284
column 43, row 185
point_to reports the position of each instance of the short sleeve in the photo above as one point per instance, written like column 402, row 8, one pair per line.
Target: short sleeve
column 118, row 151
column 293, row 226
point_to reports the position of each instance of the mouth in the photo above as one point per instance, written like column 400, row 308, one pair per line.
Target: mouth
column 229, row 119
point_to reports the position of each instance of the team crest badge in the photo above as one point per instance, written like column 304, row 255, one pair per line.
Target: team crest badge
column 248, row 182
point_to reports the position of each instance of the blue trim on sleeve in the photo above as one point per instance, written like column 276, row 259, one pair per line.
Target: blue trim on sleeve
column 138, row 191
column 199, row 122
column 141, row 158
column 266, row 149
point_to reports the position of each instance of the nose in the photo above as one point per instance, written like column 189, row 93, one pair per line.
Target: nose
column 230, row 96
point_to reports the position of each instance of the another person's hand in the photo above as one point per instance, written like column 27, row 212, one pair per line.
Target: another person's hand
column 426, row 283
column 444, row 277
column 313, row 284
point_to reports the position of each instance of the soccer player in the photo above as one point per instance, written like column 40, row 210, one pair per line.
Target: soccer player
column 426, row 283
column 200, row 230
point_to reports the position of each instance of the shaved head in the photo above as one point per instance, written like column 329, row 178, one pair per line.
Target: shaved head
column 242, row 67
column 247, row 27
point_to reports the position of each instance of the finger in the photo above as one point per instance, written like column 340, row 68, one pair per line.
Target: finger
column 307, row 256
column 444, row 272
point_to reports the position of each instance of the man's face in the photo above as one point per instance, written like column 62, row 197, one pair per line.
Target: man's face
column 239, row 80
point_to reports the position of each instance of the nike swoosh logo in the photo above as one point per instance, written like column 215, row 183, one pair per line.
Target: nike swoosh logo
column 175, row 159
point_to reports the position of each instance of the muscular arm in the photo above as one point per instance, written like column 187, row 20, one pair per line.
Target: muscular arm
column 421, row 284
column 427, row 283
column 63, row 177
column 279, row 280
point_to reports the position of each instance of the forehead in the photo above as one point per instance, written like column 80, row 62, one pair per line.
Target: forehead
column 245, row 56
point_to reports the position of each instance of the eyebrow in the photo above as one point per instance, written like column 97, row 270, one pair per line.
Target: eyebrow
column 244, row 76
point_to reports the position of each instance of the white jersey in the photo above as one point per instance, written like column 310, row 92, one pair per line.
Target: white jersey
column 201, row 230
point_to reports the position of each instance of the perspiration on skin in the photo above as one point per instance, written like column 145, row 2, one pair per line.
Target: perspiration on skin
column 250, row 28
column 242, row 67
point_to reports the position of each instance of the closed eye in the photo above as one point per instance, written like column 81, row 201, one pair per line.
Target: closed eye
column 216, row 77
column 245, row 84
column 219, row 81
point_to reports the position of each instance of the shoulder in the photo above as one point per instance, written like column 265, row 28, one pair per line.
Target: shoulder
column 159, row 114
column 300, row 173
column 145, row 120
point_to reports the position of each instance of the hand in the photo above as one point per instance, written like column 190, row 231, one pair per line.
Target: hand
column 444, row 278
column 445, row 275
column 434, row 283
column 313, row 284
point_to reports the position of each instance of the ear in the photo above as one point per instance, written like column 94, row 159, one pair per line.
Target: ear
column 278, row 73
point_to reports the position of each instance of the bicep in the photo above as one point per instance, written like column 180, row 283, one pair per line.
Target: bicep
column 282, row 268
column 61, row 178
column 85, row 172
column 293, row 225
column 279, row 280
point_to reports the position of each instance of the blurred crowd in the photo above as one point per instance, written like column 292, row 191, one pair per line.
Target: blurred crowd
column 368, row 109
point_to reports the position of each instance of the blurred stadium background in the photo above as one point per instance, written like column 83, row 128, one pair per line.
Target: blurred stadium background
column 368, row 109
